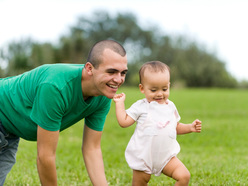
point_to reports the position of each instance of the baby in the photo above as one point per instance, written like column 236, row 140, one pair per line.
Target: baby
column 153, row 147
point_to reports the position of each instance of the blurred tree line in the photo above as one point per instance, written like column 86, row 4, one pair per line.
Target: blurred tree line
column 191, row 65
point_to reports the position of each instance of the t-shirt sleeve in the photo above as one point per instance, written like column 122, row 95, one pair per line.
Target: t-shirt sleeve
column 135, row 110
column 176, row 113
column 97, row 119
column 48, row 108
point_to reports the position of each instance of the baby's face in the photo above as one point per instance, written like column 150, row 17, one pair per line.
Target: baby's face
column 155, row 86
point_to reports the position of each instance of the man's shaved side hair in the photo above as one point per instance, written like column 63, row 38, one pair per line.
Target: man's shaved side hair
column 95, row 54
column 153, row 66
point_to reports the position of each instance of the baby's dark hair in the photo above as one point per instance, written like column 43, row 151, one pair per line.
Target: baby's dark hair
column 154, row 66
column 95, row 54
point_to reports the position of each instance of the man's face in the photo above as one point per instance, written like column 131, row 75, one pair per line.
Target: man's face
column 110, row 74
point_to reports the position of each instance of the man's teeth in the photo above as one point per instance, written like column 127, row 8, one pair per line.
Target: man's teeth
column 113, row 86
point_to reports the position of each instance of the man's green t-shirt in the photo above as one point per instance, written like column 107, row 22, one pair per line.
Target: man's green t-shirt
column 49, row 96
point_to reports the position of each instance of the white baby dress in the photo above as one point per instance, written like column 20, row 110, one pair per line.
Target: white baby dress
column 154, row 142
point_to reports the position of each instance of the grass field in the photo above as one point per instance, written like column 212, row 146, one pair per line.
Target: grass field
column 217, row 156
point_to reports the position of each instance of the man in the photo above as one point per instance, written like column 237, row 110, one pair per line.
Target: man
column 38, row 104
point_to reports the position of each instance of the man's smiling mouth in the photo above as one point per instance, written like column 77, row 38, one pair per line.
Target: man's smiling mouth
column 113, row 86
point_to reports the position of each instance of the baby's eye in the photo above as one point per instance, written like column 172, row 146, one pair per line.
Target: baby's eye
column 165, row 89
column 152, row 90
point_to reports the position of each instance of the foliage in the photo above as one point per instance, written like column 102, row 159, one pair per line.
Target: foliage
column 1, row 73
column 216, row 156
column 189, row 62
column 243, row 84
column 25, row 55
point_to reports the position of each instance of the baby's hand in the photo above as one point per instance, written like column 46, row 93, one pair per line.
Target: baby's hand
column 119, row 97
column 196, row 126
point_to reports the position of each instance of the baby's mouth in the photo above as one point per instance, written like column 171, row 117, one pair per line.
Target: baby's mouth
column 158, row 98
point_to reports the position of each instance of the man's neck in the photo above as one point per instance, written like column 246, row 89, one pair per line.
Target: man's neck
column 87, row 86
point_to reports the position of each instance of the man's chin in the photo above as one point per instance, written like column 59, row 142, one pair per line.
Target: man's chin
column 110, row 92
column 110, row 96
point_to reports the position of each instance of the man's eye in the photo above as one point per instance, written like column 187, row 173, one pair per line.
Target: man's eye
column 123, row 73
column 111, row 72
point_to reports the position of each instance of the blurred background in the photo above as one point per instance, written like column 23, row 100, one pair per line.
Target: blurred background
column 203, row 42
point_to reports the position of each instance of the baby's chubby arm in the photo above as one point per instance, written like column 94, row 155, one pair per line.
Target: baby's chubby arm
column 123, row 119
column 188, row 128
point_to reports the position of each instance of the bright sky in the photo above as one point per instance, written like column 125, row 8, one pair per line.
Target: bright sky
column 219, row 25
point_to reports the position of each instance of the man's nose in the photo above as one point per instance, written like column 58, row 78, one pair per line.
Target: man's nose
column 118, row 78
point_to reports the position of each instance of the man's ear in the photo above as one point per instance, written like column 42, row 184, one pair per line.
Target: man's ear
column 141, row 87
column 88, row 67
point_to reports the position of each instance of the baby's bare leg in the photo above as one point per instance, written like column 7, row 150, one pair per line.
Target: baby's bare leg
column 176, row 170
column 140, row 178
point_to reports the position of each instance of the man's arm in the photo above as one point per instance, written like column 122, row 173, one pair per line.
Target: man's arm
column 46, row 154
column 92, row 153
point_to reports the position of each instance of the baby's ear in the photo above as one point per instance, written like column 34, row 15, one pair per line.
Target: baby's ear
column 141, row 87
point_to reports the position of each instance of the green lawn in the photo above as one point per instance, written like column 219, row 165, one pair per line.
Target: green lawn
column 217, row 156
